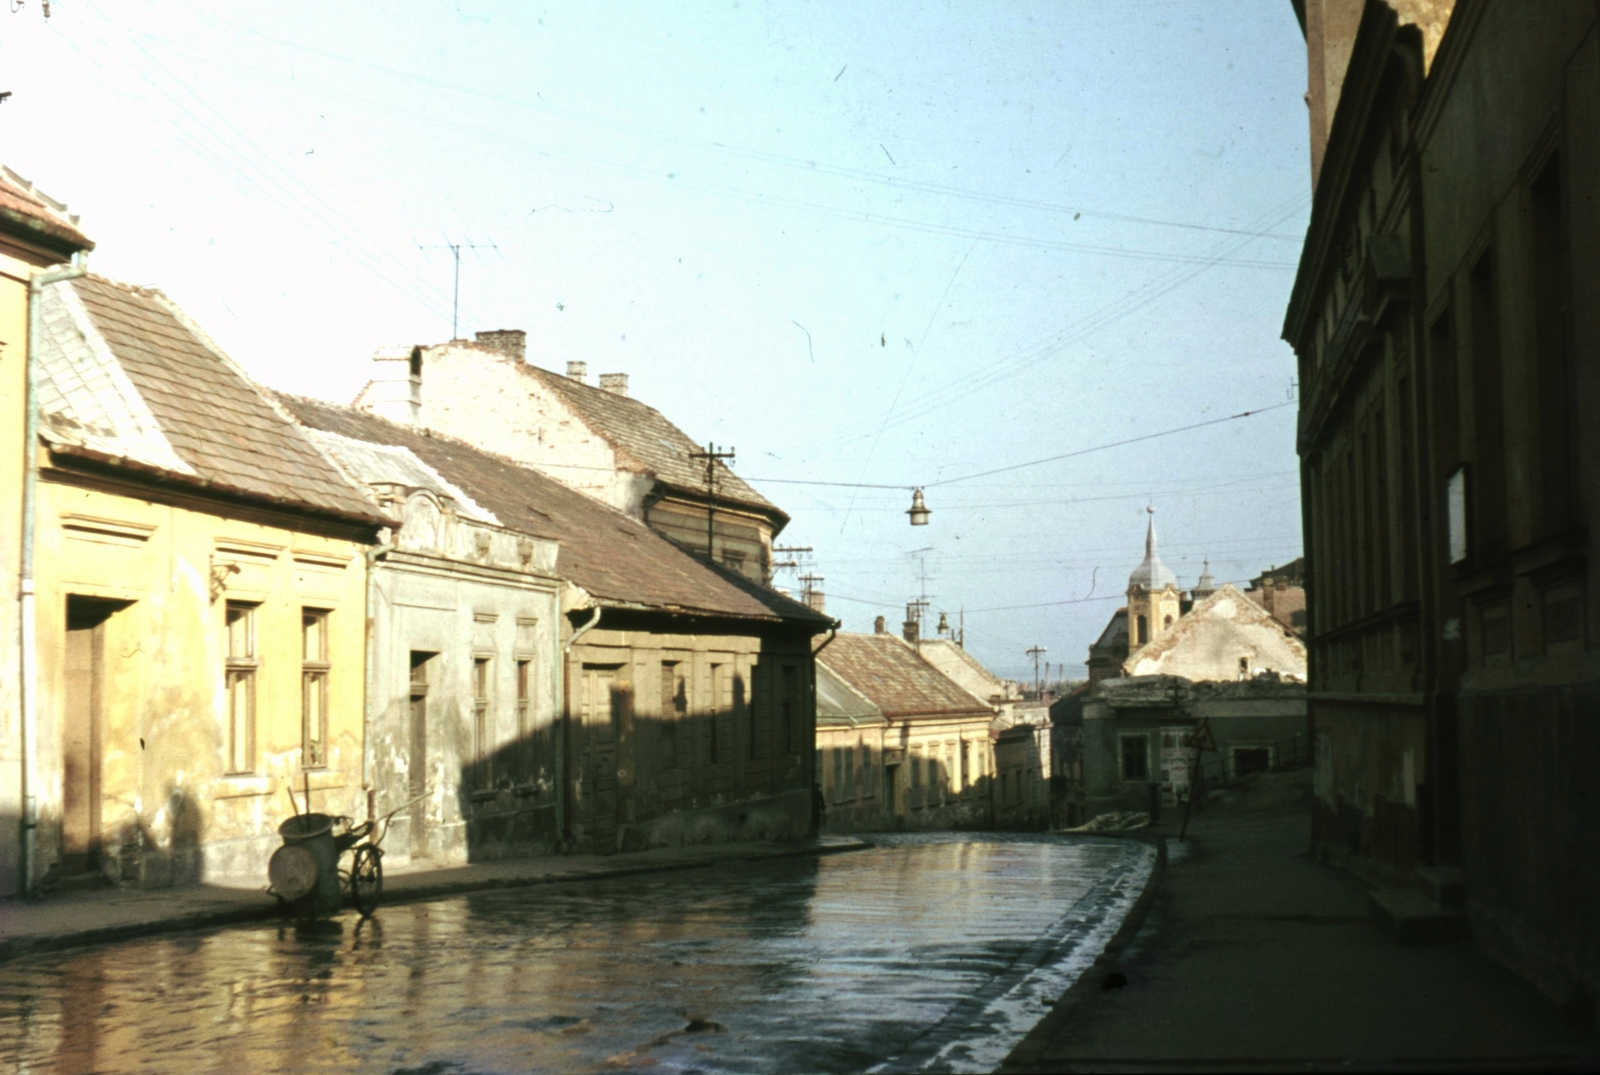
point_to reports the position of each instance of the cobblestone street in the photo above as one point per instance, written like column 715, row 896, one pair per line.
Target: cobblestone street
column 926, row 953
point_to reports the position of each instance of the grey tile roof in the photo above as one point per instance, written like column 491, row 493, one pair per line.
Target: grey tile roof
column 216, row 425
column 614, row 557
column 896, row 679
column 644, row 436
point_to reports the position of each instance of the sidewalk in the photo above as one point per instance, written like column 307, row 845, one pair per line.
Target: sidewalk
column 107, row 915
column 1252, row 956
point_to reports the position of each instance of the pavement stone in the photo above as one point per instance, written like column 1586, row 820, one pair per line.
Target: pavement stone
column 103, row 916
column 1251, row 955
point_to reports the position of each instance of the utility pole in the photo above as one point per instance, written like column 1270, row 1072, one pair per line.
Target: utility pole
column 710, row 456
column 455, row 299
column 788, row 550
column 1036, row 652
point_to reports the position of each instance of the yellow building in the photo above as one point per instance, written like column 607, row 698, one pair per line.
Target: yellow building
column 35, row 234
column 200, row 603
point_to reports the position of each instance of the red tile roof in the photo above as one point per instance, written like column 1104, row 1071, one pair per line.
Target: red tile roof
column 614, row 557
column 26, row 213
column 896, row 679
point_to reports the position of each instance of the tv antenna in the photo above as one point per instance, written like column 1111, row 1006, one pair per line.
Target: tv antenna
column 455, row 297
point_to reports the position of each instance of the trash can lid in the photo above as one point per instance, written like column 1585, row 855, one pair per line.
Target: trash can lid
column 305, row 826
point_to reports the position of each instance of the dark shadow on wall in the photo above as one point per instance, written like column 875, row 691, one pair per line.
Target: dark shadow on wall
column 608, row 777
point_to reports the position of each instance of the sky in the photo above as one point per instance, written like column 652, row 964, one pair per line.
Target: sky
column 881, row 246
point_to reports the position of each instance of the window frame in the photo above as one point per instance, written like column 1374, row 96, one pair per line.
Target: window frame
column 315, row 673
column 241, row 668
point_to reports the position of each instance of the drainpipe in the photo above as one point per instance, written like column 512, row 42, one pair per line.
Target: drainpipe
column 368, row 718
column 564, row 769
column 811, row 755
column 27, row 628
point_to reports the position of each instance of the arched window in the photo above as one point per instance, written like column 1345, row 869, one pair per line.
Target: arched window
column 1167, row 624
column 1144, row 630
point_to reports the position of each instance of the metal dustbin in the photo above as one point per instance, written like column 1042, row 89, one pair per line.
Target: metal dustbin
column 305, row 871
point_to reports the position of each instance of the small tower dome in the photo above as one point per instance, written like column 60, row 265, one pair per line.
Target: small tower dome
column 1151, row 574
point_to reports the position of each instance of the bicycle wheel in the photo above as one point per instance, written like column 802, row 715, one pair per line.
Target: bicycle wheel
column 366, row 879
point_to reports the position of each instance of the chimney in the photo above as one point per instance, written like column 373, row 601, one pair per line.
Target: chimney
column 615, row 382
column 814, row 600
column 511, row 342
column 911, row 630
column 578, row 371
column 879, row 627
column 396, row 389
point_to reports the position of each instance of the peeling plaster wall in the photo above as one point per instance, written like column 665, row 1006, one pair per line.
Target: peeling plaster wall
column 478, row 395
column 461, row 592
column 170, row 812
column 1210, row 641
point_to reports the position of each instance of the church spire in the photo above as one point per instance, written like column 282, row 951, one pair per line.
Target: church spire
column 1152, row 574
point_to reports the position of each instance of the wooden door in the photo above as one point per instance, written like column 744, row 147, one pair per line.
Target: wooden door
column 82, row 729
column 597, row 756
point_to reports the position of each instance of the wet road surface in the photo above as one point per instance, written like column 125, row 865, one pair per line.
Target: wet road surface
column 927, row 953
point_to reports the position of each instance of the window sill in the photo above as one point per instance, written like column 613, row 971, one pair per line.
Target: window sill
column 242, row 786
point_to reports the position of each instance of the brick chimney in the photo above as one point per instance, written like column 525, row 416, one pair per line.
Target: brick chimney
column 511, row 342
column 879, row 626
column 911, row 630
column 615, row 382
column 814, row 601
column 578, row 371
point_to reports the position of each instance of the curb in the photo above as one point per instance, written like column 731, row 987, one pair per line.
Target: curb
column 1026, row 1057
column 16, row 947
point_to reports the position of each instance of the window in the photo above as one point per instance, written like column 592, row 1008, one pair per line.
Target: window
column 240, row 678
column 480, row 720
column 717, row 674
column 850, row 772
column 786, row 707
column 524, row 718
column 1166, row 623
column 1135, row 757
column 1455, row 498
column 733, row 561
column 674, row 708
column 1143, row 632
column 1244, row 667
column 313, row 689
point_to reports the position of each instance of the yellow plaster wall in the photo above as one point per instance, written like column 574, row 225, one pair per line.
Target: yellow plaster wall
column 170, row 813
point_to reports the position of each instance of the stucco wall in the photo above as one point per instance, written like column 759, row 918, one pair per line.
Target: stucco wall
column 451, row 608
column 728, row 766
column 170, row 812
column 1228, row 629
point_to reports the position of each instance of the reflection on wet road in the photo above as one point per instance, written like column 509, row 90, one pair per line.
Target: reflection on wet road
column 925, row 953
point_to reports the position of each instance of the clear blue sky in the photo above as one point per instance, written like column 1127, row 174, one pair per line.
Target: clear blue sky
column 881, row 243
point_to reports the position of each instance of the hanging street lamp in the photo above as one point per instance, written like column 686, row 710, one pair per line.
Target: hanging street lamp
column 918, row 511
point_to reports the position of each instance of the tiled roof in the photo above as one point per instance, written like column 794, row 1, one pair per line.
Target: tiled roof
column 370, row 463
column 1116, row 633
column 640, row 433
column 893, row 677
column 841, row 704
column 26, row 212
column 617, row 559
column 180, row 404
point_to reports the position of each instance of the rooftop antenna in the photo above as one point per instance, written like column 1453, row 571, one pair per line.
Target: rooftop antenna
column 921, row 603
column 455, row 298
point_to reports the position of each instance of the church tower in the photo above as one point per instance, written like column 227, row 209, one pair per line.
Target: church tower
column 1154, row 600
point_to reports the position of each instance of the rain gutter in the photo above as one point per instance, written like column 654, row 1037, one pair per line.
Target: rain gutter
column 27, row 628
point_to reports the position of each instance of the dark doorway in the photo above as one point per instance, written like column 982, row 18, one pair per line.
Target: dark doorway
column 1250, row 760
column 417, row 751
column 891, row 791
column 83, row 731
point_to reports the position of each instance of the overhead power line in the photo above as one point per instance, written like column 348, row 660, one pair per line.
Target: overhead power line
column 1031, row 462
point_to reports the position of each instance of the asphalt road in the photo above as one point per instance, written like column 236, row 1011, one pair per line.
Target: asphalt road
column 927, row 953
